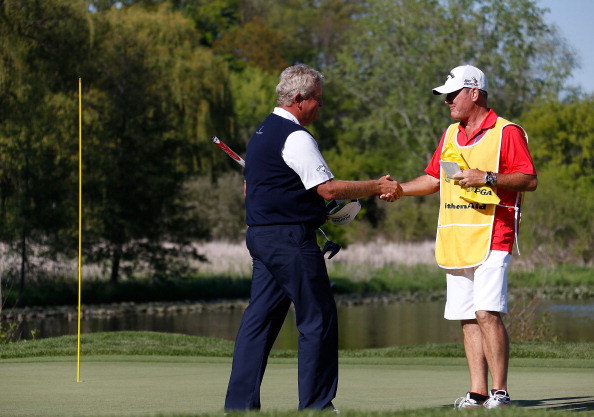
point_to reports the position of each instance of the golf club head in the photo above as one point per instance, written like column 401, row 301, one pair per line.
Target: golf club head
column 331, row 247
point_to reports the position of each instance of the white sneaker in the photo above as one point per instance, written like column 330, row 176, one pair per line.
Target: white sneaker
column 467, row 402
column 497, row 398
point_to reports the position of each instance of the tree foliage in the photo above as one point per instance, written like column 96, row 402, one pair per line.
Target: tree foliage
column 152, row 98
column 253, row 98
column 155, row 98
column 560, row 224
column 564, row 135
column 40, row 47
column 212, row 17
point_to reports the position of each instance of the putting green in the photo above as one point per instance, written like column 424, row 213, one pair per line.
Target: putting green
column 144, row 386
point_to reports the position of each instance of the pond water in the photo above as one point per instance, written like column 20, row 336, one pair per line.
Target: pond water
column 360, row 326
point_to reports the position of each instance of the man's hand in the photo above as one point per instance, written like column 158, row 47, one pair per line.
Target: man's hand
column 390, row 189
column 470, row 177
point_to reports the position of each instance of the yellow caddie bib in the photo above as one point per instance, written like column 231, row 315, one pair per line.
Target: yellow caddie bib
column 465, row 227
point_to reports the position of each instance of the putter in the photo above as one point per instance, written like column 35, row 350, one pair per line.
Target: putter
column 330, row 246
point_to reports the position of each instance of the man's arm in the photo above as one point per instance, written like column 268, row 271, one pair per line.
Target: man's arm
column 423, row 185
column 517, row 181
column 514, row 181
column 344, row 190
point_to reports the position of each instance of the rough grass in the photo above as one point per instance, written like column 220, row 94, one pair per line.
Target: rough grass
column 382, row 266
column 361, row 259
column 233, row 259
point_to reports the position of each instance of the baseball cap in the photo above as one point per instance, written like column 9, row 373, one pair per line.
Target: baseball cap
column 461, row 77
column 343, row 212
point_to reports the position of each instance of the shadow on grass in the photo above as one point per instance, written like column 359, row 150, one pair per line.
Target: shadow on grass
column 563, row 403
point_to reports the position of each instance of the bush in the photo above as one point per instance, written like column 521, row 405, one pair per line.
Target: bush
column 218, row 206
column 557, row 221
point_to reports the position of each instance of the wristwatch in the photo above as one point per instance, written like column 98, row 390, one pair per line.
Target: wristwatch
column 491, row 179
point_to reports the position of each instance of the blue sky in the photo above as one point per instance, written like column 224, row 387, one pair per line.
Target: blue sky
column 574, row 18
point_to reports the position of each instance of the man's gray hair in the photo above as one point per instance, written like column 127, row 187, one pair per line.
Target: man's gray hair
column 297, row 79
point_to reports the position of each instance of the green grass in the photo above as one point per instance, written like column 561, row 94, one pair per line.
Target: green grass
column 388, row 279
column 170, row 344
column 564, row 280
column 427, row 412
column 120, row 343
column 526, row 350
column 136, row 373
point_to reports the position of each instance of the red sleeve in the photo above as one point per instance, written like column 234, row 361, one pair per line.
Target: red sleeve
column 515, row 156
column 433, row 167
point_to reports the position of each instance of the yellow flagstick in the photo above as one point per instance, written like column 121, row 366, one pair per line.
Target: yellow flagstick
column 79, row 223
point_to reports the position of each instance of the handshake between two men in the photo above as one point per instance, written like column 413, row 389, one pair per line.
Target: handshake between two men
column 392, row 190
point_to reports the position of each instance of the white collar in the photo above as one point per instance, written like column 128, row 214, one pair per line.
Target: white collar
column 287, row 115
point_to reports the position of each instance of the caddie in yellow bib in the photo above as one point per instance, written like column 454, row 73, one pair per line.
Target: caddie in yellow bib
column 481, row 169
column 466, row 214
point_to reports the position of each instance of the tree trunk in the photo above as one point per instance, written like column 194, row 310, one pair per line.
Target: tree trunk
column 115, row 265
column 23, row 268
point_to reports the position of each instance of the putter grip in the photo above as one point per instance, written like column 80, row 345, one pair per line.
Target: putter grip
column 228, row 151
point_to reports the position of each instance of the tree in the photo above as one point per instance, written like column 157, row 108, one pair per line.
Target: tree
column 565, row 134
column 41, row 46
column 254, row 97
column 313, row 29
column 154, row 100
column 212, row 17
column 559, row 223
column 525, row 58
column 253, row 44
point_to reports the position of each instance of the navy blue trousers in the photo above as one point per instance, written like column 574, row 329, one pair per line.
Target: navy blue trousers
column 288, row 266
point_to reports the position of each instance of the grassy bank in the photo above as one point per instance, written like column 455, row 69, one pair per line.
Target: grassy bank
column 167, row 344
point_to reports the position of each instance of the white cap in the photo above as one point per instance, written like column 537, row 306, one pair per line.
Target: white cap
column 465, row 76
column 343, row 212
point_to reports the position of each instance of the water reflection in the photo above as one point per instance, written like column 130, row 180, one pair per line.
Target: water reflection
column 362, row 326
column 374, row 326
column 572, row 322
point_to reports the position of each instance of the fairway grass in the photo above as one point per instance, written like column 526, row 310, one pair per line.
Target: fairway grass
column 180, row 386
column 158, row 383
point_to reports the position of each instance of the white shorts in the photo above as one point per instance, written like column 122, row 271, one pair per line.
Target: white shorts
column 481, row 288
